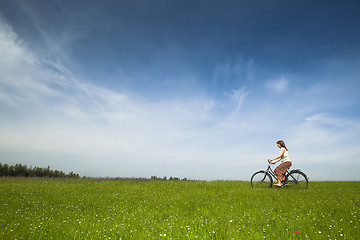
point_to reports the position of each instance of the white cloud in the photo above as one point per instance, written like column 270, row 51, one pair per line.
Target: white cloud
column 232, row 72
column 324, row 139
column 238, row 96
column 278, row 86
column 326, row 119
column 55, row 43
column 64, row 118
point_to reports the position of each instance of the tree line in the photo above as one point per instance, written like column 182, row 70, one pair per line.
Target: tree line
column 20, row 170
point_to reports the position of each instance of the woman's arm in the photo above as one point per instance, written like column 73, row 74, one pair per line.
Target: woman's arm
column 278, row 157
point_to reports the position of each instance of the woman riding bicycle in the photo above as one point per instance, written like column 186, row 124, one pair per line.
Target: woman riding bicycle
column 285, row 162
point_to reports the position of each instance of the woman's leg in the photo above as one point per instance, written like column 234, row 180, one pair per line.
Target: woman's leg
column 280, row 171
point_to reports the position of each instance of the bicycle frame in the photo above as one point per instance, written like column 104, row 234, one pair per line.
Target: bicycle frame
column 272, row 174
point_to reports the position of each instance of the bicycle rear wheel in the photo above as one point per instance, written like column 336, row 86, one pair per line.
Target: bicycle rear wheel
column 297, row 180
column 261, row 179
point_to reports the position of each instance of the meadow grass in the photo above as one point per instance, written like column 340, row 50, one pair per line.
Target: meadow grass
column 108, row 209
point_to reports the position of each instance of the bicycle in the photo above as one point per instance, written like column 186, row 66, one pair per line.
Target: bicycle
column 293, row 179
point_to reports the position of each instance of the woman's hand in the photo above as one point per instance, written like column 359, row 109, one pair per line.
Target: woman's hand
column 273, row 161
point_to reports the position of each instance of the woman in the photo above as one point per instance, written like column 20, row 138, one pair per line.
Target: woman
column 285, row 162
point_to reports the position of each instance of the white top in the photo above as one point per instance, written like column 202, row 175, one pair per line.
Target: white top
column 285, row 157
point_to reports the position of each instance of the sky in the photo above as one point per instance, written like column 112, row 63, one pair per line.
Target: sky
column 199, row 89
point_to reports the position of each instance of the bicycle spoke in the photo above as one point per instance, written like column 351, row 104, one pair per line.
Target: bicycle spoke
column 297, row 180
column 261, row 180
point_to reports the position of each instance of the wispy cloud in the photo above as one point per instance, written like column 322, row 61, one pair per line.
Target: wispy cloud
column 64, row 116
column 233, row 72
column 326, row 119
column 278, row 85
column 238, row 96
column 55, row 43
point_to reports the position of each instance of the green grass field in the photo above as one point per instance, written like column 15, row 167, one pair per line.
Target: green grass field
column 90, row 209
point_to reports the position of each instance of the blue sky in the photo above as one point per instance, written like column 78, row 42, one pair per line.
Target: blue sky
column 195, row 89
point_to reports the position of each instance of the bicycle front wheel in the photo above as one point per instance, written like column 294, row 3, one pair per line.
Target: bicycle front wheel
column 261, row 179
column 297, row 180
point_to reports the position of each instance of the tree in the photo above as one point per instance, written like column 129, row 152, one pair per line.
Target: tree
column 20, row 170
column 4, row 169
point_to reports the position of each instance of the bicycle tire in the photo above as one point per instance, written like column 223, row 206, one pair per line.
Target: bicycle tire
column 296, row 179
column 261, row 179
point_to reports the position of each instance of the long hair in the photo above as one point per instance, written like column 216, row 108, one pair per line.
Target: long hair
column 282, row 144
